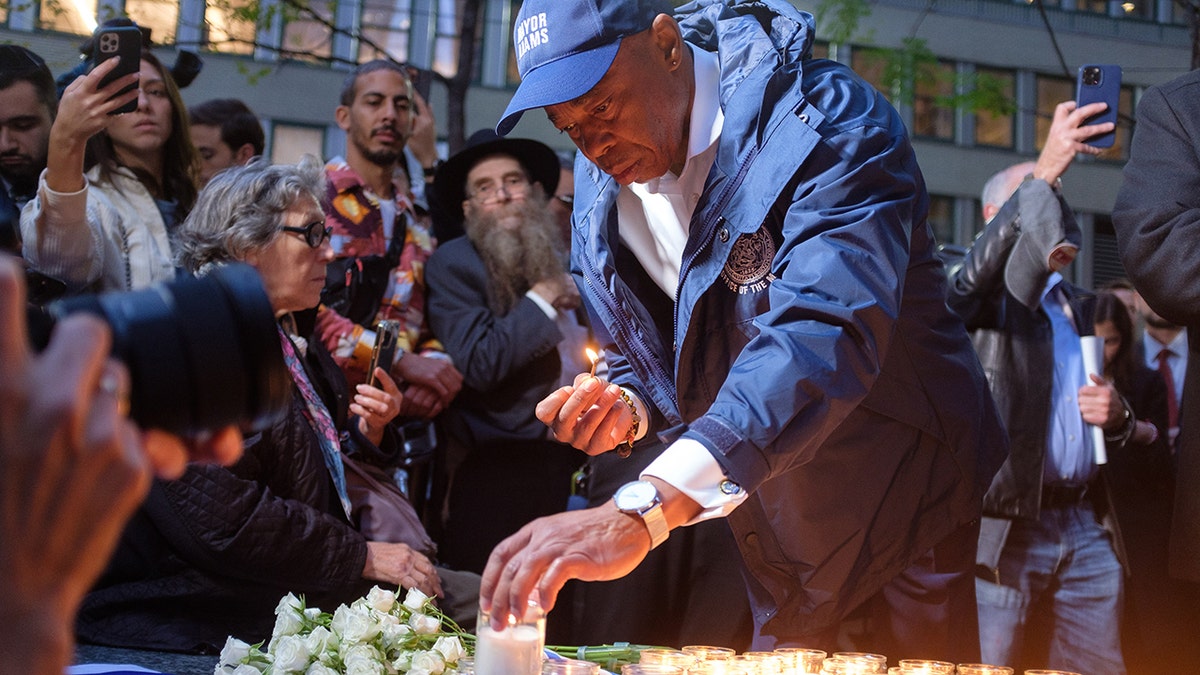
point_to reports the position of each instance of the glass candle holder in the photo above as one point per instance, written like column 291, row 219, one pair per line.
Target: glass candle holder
column 516, row 649
column 707, row 653
column 651, row 669
column 925, row 667
column 666, row 657
column 854, row 663
column 802, row 661
column 983, row 669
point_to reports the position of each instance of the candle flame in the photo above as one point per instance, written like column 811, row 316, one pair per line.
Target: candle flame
column 593, row 357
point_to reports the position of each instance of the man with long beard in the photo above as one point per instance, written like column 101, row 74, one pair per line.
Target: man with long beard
column 503, row 305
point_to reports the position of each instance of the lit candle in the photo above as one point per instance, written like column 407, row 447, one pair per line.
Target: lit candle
column 593, row 357
column 516, row 650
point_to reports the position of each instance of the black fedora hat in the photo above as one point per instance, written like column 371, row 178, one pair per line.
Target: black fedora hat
column 449, row 183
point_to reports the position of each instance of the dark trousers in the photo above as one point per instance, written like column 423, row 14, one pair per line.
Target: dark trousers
column 926, row 612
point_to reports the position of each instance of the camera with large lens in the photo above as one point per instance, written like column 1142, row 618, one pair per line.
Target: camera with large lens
column 202, row 353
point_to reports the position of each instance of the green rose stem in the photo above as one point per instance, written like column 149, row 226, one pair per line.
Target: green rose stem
column 610, row 657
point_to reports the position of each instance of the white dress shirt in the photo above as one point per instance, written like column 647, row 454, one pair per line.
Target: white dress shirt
column 653, row 219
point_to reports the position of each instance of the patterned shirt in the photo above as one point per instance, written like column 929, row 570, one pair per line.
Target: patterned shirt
column 356, row 215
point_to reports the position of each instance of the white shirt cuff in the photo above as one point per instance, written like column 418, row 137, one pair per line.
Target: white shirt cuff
column 548, row 308
column 690, row 468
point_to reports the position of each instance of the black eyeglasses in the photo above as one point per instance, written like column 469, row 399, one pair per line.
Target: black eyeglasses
column 315, row 233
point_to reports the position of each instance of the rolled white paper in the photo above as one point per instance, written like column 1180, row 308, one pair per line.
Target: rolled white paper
column 1093, row 364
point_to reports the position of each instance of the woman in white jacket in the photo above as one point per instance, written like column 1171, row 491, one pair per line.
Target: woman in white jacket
column 114, row 185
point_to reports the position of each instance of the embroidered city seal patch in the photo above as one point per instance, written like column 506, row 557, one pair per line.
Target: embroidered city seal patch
column 748, row 267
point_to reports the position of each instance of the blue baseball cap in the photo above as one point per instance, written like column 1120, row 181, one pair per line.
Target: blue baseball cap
column 564, row 47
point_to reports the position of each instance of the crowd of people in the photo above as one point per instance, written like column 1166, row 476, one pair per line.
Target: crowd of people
column 797, row 426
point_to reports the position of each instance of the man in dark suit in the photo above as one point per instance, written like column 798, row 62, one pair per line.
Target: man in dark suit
column 1157, row 220
column 503, row 305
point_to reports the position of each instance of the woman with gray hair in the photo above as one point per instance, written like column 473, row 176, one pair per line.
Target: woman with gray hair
column 213, row 552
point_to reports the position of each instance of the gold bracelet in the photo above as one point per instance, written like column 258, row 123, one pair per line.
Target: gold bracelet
column 625, row 448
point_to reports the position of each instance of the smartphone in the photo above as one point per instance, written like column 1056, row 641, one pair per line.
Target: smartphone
column 125, row 42
column 421, row 78
column 1096, row 83
column 386, row 334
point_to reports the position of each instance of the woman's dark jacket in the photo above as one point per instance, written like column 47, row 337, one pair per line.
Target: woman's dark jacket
column 210, row 555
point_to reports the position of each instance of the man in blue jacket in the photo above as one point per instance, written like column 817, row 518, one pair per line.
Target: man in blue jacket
column 750, row 240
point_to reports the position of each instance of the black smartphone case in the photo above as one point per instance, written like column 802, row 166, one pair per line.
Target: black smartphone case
column 123, row 41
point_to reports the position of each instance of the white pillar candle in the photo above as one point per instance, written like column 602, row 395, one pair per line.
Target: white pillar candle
column 516, row 650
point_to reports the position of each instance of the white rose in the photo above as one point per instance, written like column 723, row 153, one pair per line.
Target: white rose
column 415, row 599
column 291, row 654
column 245, row 669
column 450, row 648
column 423, row 624
column 429, row 662
column 320, row 640
column 354, row 626
column 319, row 668
column 381, row 600
column 234, row 652
column 363, row 660
column 288, row 617
column 393, row 635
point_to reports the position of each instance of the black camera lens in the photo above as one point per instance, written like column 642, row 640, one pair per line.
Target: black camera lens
column 1091, row 76
column 202, row 353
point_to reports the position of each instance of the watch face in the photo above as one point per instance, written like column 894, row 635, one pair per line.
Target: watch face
column 636, row 495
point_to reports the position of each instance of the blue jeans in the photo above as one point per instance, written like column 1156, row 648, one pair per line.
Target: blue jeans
column 1058, row 575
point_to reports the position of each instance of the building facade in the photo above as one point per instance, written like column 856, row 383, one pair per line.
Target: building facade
column 286, row 59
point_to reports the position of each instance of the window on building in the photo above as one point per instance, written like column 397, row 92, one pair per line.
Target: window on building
column 160, row 16
column 306, row 35
column 994, row 126
column 290, row 142
column 933, row 102
column 445, row 43
column 1050, row 92
column 870, row 65
column 941, row 218
column 385, row 25
column 229, row 26
column 68, row 16
column 1093, row 6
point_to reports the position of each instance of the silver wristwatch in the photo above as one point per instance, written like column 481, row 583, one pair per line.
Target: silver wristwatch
column 640, row 498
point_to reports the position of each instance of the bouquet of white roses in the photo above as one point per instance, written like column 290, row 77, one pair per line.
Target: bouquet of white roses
column 376, row 635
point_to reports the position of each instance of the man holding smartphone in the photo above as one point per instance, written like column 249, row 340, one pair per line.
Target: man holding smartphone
column 1044, row 557
column 378, row 234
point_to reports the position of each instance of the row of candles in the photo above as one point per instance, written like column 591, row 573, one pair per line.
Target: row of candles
column 703, row 660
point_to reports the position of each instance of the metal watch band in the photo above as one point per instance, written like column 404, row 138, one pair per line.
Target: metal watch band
column 656, row 524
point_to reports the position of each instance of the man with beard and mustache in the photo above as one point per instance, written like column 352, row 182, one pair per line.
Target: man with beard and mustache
column 27, row 107
column 381, row 245
column 502, row 303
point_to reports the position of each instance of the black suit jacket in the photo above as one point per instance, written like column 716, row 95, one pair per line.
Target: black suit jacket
column 509, row 362
column 1157, row 220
